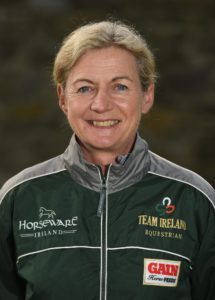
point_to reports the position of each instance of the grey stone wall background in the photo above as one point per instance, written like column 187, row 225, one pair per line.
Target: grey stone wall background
column 181, row 125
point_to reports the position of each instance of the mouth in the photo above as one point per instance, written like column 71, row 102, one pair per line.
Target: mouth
column 105, row 123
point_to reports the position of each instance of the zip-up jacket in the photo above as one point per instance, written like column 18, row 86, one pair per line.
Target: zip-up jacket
column 143, row 231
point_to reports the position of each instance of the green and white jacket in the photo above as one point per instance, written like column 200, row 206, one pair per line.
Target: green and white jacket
column 144, row 231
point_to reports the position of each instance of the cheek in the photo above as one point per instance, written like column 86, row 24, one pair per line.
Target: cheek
column 75, row 109
column 136, row 114
column 76, row 115
column 132, row 108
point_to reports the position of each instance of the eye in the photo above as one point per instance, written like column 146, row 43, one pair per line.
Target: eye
column 84, row 90
column 121, row 87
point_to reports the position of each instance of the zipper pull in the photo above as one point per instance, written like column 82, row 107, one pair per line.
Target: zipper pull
column 103, row 191
column 101, row 200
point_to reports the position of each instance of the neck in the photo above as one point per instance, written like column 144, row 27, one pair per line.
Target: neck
column 100, row 158
column 104, row 157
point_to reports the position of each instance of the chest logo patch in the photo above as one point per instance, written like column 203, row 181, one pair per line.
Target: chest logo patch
column 166, row 207
column 161, row 272
column 48, row 224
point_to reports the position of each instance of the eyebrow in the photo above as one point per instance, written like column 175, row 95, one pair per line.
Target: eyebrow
column 113, row 79
column 121, row 77
column 82, row 79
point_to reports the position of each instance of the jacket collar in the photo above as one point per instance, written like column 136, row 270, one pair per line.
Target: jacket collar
column 129, row 169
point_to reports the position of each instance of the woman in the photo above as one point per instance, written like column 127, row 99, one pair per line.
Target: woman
column 107, row 219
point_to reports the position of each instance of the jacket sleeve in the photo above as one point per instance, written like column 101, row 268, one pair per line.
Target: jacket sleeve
column 203, row 274
column 11, row 286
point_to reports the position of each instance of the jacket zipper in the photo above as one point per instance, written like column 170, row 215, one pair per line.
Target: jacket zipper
column 102, row 213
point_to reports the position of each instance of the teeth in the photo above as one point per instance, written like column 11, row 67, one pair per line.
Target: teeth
column 105, row 123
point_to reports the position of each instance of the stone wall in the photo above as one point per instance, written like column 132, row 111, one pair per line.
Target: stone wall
column 181, row 125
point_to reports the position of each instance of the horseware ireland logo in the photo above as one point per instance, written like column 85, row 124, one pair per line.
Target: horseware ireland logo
column 43, row 212
column 48, row 224
column 165, row 207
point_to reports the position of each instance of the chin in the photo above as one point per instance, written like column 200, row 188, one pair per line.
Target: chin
column 102, row 146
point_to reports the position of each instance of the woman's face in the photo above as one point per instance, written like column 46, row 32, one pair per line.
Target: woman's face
column 103, row 100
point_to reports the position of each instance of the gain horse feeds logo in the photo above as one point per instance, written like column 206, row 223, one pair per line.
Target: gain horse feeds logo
column 161, row 272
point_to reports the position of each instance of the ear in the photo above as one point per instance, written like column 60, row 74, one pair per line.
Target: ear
column 62, row 98
column 148, row 99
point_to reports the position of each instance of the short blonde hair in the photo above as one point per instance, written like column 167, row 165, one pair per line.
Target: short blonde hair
column 100, row 35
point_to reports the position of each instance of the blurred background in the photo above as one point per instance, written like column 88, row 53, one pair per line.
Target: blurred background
column 180, row 127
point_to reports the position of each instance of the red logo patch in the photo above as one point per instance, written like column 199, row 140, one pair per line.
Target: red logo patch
column 161, row 272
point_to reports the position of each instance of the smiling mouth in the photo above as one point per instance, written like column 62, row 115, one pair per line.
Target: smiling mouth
column 107, row 123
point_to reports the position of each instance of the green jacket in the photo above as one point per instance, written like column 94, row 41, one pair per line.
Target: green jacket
column 145, row 231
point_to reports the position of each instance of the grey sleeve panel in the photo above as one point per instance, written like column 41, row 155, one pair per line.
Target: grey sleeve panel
column 48, row 167
column 164, row 168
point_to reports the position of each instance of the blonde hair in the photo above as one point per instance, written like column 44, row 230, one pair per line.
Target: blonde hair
column 100, row 35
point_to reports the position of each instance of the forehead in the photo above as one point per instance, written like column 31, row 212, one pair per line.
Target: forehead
column 106, row 62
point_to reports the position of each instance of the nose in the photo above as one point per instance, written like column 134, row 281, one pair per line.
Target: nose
column 101, row 102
